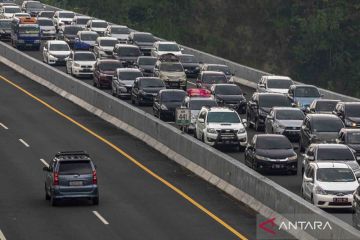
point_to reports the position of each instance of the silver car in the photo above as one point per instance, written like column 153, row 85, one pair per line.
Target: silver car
column 286, row 121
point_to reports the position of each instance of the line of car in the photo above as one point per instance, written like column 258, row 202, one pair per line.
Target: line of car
column 134, row 65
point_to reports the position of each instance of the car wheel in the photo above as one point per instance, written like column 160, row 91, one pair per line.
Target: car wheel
column 95, row 200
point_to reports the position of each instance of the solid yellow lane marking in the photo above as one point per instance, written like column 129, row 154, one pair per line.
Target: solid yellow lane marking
column 133, row 160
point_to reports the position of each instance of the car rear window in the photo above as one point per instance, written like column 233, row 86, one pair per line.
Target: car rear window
column 335, row 154
column 75, row 167
column 269, row 142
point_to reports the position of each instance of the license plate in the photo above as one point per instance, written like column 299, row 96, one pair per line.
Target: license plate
column 76, row 183
column 277, row 166
column 340, row 200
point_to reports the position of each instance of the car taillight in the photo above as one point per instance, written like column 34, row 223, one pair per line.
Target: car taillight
column 56, row 178
column 94, row 177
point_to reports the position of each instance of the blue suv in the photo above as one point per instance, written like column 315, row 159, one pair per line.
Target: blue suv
column 303, row 95
column 71, row 175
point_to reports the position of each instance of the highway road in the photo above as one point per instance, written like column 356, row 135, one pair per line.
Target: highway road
column 143, row 194
column 290, row 182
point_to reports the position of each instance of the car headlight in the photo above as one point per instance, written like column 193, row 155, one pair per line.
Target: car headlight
column 278, row 125
column 292, row 158
column 261, row 157
column 319, row 190
column 163, row 107
column 52, row 57
column 211, row 130
column 197, row 68
column 76, row 65
column 349, row 123
column 242, row 130
column 299, row 104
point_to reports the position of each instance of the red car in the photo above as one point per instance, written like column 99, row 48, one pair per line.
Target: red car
column 198, row 92
column 104, row 71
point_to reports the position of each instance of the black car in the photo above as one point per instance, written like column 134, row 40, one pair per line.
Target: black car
column 145, row 89
column 260, row 105
column 146, row 64
column 230, row 95
column 349, row 112
column 5, row 29
column 351, row 138
column 271, row 152
column 69, row 34
column 319, row 128
column 143, row 40
column 356, row 208
column 322, row 106
column 191, row 65
column 166, row 102
column 126, row 54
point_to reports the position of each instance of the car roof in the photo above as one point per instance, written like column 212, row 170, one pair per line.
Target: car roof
column 172, row 90
column 198, row 98
column 346, row 130
column 331, row 146
column 10, row 6
column 118, row 26
column 351, row 103
column 128, row 70
column 147, row 78
column 57, row 42
column 106, row 38
column 166, row 42
column 269, row 94
column 75, row 52
column 326, row 100
column 43, row 18
column 64, row 11
column 213, row 72
column 149, row 57
column 225, row 84
column 147, row 33
column 104, row 60
column 125, row 45
column 286, row 108
column 273, row 136
column 214, row 64
column 330, row 164
column 219, row 109
column 303, row 85
column 278, row 77
column 97, row 20
column 322, row 116
column 87, row 32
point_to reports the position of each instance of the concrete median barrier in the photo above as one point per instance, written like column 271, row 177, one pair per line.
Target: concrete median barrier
column 246, row 185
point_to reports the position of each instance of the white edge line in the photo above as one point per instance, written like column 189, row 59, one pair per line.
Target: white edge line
column 2, row 237
column 3, row 126
column 100, row 217
column 44, row 162
column 23, row 142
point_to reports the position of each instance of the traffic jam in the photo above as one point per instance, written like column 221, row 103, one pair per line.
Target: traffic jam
column 279, row 127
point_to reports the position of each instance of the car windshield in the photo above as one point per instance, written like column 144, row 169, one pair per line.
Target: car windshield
column 59, row 47
column 290, row 115
column 82, row 21
column 152, row 83
column 268, row 142
column 12, row 10
column 171, row 47
column 171, row 67
column 45, row 22
column 353, row 137
column 147, row 61
column 327, row 125
column 72, row 30
column 128, row 52
column 89, row 37
column 219, row 68
column 335, row 175
column 37, row 5
column 337, row 154
column 270, row 101
column 99, row 24
column 84, row 57
column 228, row 90
column 144, row 38
column 214, row 78
column 75, row 167
column 172, row 96
column 108, row 42
column 311, row 92
column 188, row 59
column 110, row 66
column 5, row 25
column 46, row 14
column 279, row 83
column 223, row 117
column 129, row 75
column 352, row 110
column 325, row 106
column 66, row 15
column 120, row 30
column 29, row 29
column 198, row 104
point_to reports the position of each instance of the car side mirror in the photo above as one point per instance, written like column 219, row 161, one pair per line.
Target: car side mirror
column 244, row 122
column 201, row 120
column 46, row 169
column 182, row 49
column 115, row 78
column 293, row 105
column 269, row 117
column 307, row 179
column 310, row 158
column 261, row 85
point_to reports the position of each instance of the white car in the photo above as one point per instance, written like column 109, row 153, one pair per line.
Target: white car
column 81, row 63
column 8, row 11
column 98, row 26
column 160, row 48
column 329, row 184
column 119, row 32
column 56, row 52
column 274, row 84
column 221, row 126
column 104, row 46
column 62, row 18
column 80, row 21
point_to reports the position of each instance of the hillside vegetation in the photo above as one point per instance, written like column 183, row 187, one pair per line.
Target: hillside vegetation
column 316, row 42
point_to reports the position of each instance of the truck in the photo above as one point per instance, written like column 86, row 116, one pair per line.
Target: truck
column 25, row 33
